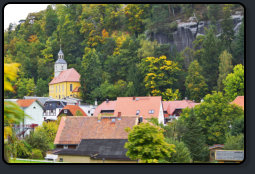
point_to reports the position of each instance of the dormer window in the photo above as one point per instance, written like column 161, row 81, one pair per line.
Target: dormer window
column 137, row 112
column 151, row 111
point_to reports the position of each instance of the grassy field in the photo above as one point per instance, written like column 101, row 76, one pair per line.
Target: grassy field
column 28, row 161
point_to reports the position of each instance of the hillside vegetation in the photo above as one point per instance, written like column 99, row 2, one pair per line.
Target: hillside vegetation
column 111, row 46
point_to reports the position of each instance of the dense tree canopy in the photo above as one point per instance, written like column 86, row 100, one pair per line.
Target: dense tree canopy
column 108, row 44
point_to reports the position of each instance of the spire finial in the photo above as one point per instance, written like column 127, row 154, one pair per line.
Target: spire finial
column 60, row 44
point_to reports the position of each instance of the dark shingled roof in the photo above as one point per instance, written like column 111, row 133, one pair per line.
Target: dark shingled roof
column 60, row 61
column 99, row 149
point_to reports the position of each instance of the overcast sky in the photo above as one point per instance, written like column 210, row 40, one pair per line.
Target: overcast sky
column 15, row 12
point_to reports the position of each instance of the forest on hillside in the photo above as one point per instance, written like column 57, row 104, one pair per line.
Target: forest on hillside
column 111, row 46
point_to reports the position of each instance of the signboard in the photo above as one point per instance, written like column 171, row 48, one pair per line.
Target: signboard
column 229, row 155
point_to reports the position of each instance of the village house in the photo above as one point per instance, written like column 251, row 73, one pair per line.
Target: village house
column 96, row 151
column 143, row 107
column 173, row 109
column 72, row 110
column 77, row 135
column 34, row 109
column 66, row 82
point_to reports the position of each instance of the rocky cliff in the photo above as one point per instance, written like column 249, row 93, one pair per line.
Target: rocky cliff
column 186, row 32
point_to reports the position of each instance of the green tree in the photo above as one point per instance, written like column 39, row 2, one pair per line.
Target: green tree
column 146, row 143
column 196, row 88
column 227, row 25
column 51, row 20
column 225, row 67
column 41, row 87
column 213, row 13
column 194, row 138
column 43, row 137
column 215, row 116
column 234, row 83
column 209, row 60
column 182, row 154
column 89, row 81
column 238, row 47
column 234, row 142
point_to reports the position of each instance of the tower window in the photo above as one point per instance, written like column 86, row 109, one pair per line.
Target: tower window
column 56, row 89
column 62, row 67
column 71, row 87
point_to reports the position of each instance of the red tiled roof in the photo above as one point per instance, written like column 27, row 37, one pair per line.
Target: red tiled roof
column 239, row 100
column 72, row 129
column 105, row 106
column 69, row 75
column 73, row 109
column 128, row 106
column 25, row 102
column 171, row 106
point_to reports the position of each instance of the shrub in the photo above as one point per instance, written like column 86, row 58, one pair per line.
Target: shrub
column 23, row 149
column 36, row 154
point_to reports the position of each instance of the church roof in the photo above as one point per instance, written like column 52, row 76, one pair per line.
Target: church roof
column 69, row 75
column 60, row 61
column 60, row 52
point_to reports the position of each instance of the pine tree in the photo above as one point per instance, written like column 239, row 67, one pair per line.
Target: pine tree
column 225, row 67
column 196, row 87
column 194, row 138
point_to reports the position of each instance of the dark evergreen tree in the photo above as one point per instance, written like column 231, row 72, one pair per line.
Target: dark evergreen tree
column 194, row 139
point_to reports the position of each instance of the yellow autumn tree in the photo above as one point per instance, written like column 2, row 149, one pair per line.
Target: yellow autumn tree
column 161, row 74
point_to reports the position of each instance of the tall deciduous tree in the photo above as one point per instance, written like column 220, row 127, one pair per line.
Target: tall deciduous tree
column 161, row 74
column 196, row 88
column 234, row 83
column 225, row 67
column 146, row 143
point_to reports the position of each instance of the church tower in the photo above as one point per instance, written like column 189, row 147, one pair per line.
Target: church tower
column 60, row 64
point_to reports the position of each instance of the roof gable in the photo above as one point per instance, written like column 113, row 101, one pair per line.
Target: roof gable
column 24, row 103
column 171, row 106
column 69, row 75
column 73, row 109
column 110, row 105
column 129, row 106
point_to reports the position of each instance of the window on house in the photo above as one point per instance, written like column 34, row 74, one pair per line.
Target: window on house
column 63, row 88
column 61, row 67
column 61, row 160
column 89, row 112
column 151, row 111
column 137, row 112
column 65, row 111
column 65, row 146
column 34, row 107
column 71, row 87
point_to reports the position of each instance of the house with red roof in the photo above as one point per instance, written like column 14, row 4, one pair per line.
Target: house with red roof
column 66, row 82
column 145, row 107
column 34, row 109
column 173, row 109
column 72, row 110
column 239, row 101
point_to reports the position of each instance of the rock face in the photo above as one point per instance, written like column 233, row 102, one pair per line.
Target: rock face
column 187, row 32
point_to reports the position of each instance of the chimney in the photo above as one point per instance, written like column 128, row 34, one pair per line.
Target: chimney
column 107, row 100
column 140, row 119
column 96, row 102
column 119, row 116
column 133, row 98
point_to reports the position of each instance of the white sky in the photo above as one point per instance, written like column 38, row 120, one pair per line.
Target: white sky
column 15, row 12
